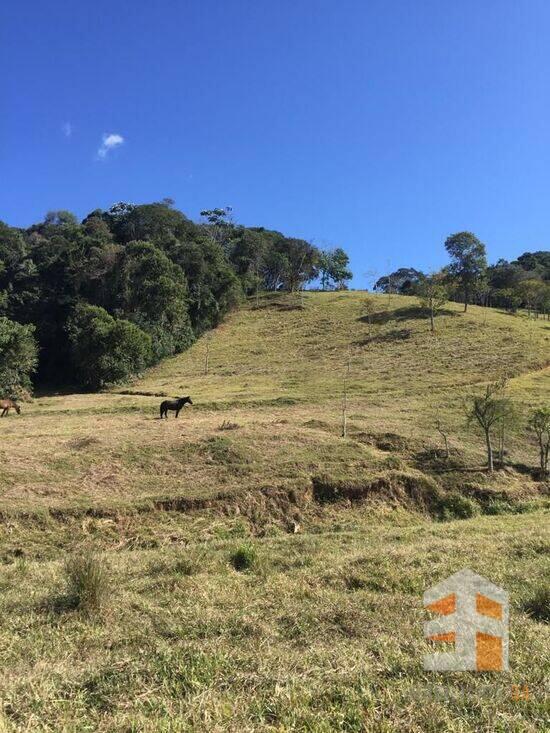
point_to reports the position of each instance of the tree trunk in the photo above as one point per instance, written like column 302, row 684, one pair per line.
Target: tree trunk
column 501, row 437
column 544, row 451
column 432, row 324
column 489, row 452
column 207, row 356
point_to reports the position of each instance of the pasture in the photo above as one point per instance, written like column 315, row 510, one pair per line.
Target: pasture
column 321, row 629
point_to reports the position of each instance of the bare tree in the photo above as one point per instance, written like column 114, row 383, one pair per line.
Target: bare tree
column 539, row 423
column 369, row 309
column 345, row 396
column 207, row 339
column 371, row 277
column 443, row 432
column 489, row 410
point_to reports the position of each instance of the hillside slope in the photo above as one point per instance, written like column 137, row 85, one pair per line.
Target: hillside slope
column 260, row 572
column 276, row 376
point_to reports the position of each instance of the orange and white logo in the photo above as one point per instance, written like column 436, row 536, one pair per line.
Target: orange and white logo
column 472, row 615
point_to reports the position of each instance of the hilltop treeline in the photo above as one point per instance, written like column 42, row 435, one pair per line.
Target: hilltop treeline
column 94, row 302
column 468, row 278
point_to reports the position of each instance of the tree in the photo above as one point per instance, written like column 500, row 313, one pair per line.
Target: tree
column 247, row 252
column 294, row 263
column 403, row 281
column 532, row 293
column 18, row 358
column 220, row 225
column 333, row 268
column 105, row 350
column 489, row 410
column 539, row 423
column 154, row 296
column 433, row 295
column 345, row 395
column 147, row 264
column 468, row 261
column 60, row 218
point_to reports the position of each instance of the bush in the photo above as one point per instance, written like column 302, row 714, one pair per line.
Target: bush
column 18, row 358
column 105, row 350
column 457, row 506
column 243, row 557
column 538, row 605
column 87, row 583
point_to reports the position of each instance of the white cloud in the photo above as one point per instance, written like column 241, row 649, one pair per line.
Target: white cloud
column 67, row 129
column 109, row 141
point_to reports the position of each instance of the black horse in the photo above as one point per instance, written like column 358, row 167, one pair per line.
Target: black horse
column 173, row 405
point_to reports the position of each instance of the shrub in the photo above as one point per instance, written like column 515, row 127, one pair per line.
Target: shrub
column 393, row 463
column 18, row 358
column 87, row 583
column 105, row 350
column 457, row 506
column 538, row 605
column 243, row 557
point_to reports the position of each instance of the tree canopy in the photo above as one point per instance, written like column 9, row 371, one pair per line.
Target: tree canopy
column 133, row 284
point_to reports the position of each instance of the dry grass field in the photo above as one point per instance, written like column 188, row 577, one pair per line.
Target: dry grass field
column 260, row 572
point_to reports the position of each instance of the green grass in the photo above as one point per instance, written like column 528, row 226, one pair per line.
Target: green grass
column 258, row 571
column 323, row 632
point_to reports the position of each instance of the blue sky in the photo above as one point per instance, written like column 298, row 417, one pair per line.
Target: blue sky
column 378, row 125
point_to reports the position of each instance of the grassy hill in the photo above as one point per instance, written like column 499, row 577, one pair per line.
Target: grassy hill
column 322, row 629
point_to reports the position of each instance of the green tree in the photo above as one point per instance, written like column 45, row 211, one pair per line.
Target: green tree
column 433, row 295
column 105, row 350
column 154, row 296
column 219, row 225
column 333, row 268
column 18, row 358
column 468, row 262
column 532, row 293
column 404, row 281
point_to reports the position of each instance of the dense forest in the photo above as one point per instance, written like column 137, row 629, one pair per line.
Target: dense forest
column 95, row 302
column 90, row 303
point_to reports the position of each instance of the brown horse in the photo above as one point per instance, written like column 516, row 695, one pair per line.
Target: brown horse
column 7, row 405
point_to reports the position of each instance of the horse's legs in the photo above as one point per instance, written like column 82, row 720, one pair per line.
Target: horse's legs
column 4, row 412
column 177, row 412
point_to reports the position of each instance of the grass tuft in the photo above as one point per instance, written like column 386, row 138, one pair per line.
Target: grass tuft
column 244, row 557
column 538, row 604
column 87, row 583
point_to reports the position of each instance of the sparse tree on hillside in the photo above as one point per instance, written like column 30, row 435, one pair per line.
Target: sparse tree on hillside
column 433, row 295
column 533, row 294
column 333, row 268
column 468, row 262
column 443, row 432
column 539, row 423
column 369, row 309
column 345, row 395
column 403, row 281
column 207, row 340
column 489, row 410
